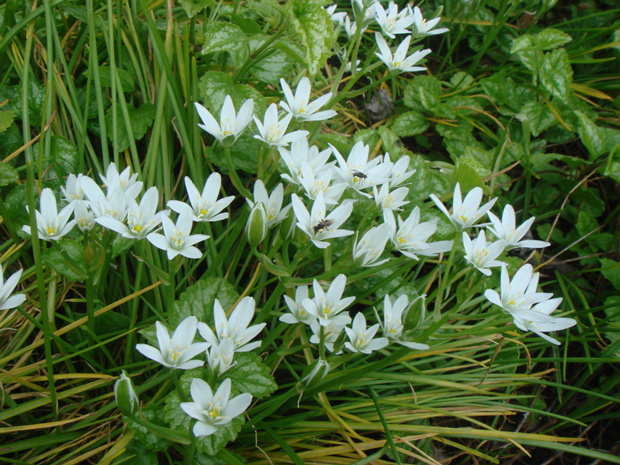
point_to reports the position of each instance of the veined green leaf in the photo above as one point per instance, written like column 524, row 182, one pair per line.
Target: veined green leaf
column 6, row 119
column 556, row 74
column 550, row 39
column 538, row 115
column 193, row 7
column 226, row 37
column 590, row 135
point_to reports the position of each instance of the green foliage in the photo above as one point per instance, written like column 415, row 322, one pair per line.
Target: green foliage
column 140, row 120
column 314, row 29
column 8, row 175
column 6, row 119
column 226, row 37
column 198, row 299
column 250, row 374
column 193, row 7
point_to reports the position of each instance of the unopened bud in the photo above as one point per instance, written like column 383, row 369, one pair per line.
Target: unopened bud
column 320, row 369
column 125, row 395
column 256, row 227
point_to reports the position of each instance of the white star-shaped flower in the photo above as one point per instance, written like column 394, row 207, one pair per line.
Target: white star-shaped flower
column 204, row 206
column 465, row 213
column 51, row 225
column 481, row 254
column 399, row 62
column 177, row 239
column 318, row 225
column 507, row 230
column 178, row 351
column 231, row 124
column 327, row 306
column 273, row 129
column 299, row 104
column 213, row 410
column 6, row 288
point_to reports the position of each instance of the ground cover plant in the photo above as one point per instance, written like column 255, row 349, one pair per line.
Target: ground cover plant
column 296, row 232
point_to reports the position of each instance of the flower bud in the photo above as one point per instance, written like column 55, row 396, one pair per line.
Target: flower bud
column 256, row 227
column 125, row 395
column 320, row 369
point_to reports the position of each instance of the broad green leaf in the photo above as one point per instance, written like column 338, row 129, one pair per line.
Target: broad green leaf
column 550, row 39
column 153, row 442
column 529, row 55
column 226, row 37
column 556, row 74
column 271, row 67
column 314, row 28
column 8, row 174
column 193, row 7
column 243, row 92
column 589, row 135
column 65, row 156
column 244, row 154
column 423, row 93
column 177, row 419
column 369, row 137
column 461, row 80
column 6, row 119
column 426, row 181
column 612, row 311
column 467, row 173
column 586, row 222
column 214, row 87
column 67, row 259
column 391, row 143
column 409, row 124
column 497, row 87
column 125, row 77
column 611, row 270
column 250, row 374
column 10, row 141
column 212, row 444
column 198, row 299
column 538, row 115
column 141, row 120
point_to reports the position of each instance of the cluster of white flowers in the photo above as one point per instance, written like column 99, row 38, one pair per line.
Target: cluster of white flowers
column 231, row 335
column 519, row 296
column 326, row 316
column 391, row 22
column 118, row 209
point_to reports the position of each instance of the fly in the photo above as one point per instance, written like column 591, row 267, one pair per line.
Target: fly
column 359, row 175
column 321, row 225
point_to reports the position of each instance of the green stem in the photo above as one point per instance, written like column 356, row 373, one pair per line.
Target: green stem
column 233, row 175
column 444, row 284
column 177, row 385
column 327, row 259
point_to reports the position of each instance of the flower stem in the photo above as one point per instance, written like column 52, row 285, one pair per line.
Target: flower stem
column 444, row 285
column 327, row 259
column 234, row 177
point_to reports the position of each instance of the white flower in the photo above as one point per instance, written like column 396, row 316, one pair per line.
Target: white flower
column 482, row 255
column 393, row 22
column 204, row 206
column 298, row 314
column 51, row 225
column 177, row 239
column 127, row 181
column 313, row 183
column 359, row 173
column 301, row 152
column 213, row 410
column 298, row 104
column 387, row 200
column 400, row 62
column 273, row 130
column 326, row 306
column 112, row 204
column 6, row 288
column 272, row 203
column 179, row 351
column 336, row 17
column 362, row 339
column 411, row 237
column 367, row 251
column 520, row 293
column 84, row 216
column 141, row 219
column 319, row 226
column 73, row 188
column 231, row 124
column 331, row 332
column 234, row 328
column 423, row 27
column 398, row 171
column 220, row 356
column 506, row 229
column 393, row 315
column 539, row 320
column 464, row 212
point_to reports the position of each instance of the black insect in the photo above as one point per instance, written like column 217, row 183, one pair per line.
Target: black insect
column 321, row 225
column 358, row 174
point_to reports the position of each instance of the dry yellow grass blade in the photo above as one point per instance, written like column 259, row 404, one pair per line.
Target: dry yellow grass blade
column 52, row 424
